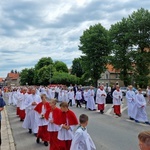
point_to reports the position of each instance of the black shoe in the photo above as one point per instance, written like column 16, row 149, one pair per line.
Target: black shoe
column 137, row 121
column 30, row 131
column 119, row 115
column 147, row 122
column 21, row 120
column 45, row 143
column 38, row 140
column 101, row 111
column 131, row 118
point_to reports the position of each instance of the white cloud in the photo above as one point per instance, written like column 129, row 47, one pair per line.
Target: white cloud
column 32, row 29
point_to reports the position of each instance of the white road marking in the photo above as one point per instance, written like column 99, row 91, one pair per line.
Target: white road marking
column 123, row 109
column 109, row 111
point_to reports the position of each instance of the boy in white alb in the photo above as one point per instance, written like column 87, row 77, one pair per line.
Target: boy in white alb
column 82, row 140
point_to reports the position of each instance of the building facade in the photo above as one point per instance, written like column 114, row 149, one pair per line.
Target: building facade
column 12, row 79
column 110, row 77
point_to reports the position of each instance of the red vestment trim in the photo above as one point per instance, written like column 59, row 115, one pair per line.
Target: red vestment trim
column 47, row 106
column 68, row 116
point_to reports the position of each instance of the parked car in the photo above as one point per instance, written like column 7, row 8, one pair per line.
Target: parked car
column 123, row 90
column 144, row 93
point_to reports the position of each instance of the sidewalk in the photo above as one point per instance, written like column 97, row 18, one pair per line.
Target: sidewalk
column 6, row 133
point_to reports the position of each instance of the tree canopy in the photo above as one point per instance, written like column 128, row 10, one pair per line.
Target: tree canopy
column 128, row 39
column 95, row 47
column 123, row 45
column 27, row 76
column 77, row 67
column 120, row 44
column 60, row 66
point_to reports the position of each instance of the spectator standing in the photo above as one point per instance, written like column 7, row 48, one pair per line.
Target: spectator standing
column 2, row 104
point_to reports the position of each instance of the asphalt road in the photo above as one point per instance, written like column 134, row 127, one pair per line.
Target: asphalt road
column 107, row 131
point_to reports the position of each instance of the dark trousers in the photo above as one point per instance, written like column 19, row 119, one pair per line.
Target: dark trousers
column 78, row 103
column 85, row 103
column 56, row 95
column 70, row 102
column 0, row 133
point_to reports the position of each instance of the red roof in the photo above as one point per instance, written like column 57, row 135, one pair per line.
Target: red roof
column 13, row 75
column 1, row 79
column 111, row 69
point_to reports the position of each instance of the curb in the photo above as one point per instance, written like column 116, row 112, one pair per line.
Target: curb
column 7, row 136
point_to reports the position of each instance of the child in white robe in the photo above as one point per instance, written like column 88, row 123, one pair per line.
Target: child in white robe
column 140, row 108
column 82, row 140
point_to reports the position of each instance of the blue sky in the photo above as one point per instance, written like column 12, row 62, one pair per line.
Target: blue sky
column 32, row 29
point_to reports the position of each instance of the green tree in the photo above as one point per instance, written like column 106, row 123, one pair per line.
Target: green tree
column 12, row 71
column 64, row 78
column 43, row 62
column 120, row 45
column 95, row 47
column 139, row 25
column 142, row 69
column 77, row 67
column 27, row 76
column 30, row 80
column 16, row 71
column 45, row 75
column 60, row 66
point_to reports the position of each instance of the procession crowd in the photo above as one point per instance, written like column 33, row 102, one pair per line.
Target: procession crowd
column 37, row 109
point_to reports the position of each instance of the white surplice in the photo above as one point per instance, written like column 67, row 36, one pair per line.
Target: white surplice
column 131, row 101
column 82, row 140
column 101, row 96
column 31, row 118
column 90, row 101
column 117, row 96
column 140, row 108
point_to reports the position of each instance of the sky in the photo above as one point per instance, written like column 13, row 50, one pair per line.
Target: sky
column 32, row 29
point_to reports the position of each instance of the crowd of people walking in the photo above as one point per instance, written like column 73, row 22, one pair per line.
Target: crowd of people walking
column 38, row 110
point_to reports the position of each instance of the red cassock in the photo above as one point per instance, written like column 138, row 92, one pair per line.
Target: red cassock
column 117, row 109
column 68, row 118
column 53, row 135
column 42, row 132
column 18, row 111
column 101, row 106
column 22, row 114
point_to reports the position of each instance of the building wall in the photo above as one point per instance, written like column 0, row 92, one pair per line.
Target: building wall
column 14, row 82
column 110, row 79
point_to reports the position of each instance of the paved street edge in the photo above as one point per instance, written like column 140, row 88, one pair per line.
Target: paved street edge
column 8, row 130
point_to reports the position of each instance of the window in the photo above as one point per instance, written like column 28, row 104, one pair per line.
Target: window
column 106, row 76
column 117, row 75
